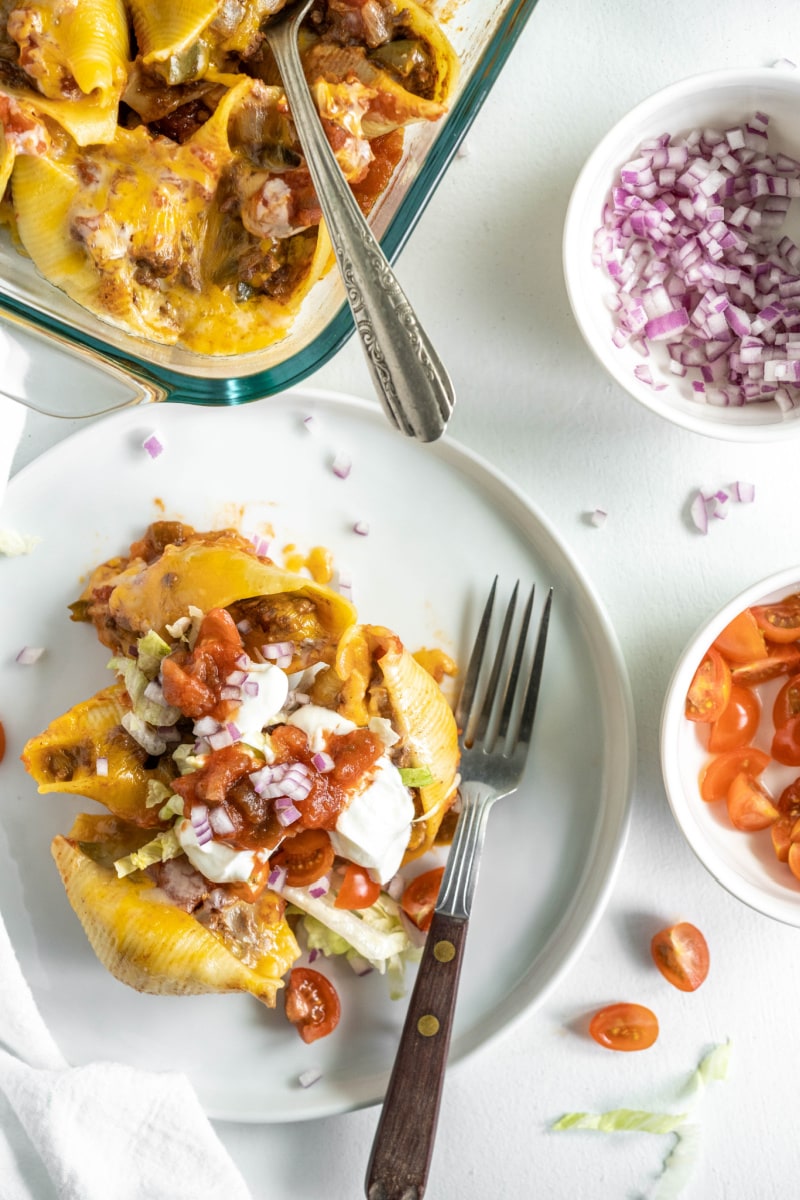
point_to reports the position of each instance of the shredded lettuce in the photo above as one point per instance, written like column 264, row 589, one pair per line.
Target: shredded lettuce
column 416, row 776
column 186, row 760
column 163, row 847
column 173, row 808
column 619, row 1119
column 135, row 682
column 157, row 793
column 677, row 1167
column 375, row 933
column 150, row 650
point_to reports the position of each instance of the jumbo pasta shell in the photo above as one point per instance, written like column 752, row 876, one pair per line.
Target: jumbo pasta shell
column 64, row 757
column 381, row 678
column 214, row 574
column 152, row 946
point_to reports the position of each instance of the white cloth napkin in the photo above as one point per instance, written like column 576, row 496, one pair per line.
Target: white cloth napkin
column 102, row 1131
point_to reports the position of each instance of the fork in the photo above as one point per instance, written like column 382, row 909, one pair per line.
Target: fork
column 496, row 723
column 413, row 384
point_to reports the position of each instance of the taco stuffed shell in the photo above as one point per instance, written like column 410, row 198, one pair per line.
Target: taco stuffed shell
column 270, row 767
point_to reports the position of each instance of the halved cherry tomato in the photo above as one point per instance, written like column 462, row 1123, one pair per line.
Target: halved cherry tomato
column 419, row 898
column 787, row 702
column 794, row 859
column 307, row 856
column 719, row 773
column 785, row 746
column 681, row 954
column 710, row 689
column 741, row 641
column 738, row 722
column 786, row 829
column 2, row 742
column 312, row 1004
column 779, row 622
column 760, row 670
column 624, row 1027
column 750, row 806
column 358, row 890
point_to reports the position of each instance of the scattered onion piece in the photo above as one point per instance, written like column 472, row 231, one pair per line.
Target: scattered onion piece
column 277, row 878
column 29, row 655
column 716, row 504
column 261, row 546
column 308, row 1078
column 361, row 528
column 598, row 517
column 322, row 762
column 153, row 445
column 341, row 465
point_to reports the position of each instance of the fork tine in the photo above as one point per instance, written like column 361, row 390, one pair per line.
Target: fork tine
column 535, row 678
column 465, row 700
column 495, row 684
column 513, row 679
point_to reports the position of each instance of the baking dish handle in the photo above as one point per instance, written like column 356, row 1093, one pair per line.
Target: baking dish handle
column 60, row 377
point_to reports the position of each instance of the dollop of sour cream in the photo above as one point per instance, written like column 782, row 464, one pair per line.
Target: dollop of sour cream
column 218, row 862
column 374, row 829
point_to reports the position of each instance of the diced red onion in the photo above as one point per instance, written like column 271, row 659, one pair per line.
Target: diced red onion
column 346, row 584
column 598, row 517
column 699, row 513
column 320, row 887
column 691, row 238
column 169, row 733
column 204, row 726
column 298, row 698
column 277, row 878
column 309, row 423
column 200, row 824
column 155, row 692
column 101, row 766
column 228, row 692
column 236, row 678
column 244, row 626
column 28, row 655
column 220, row 740
column 250, row 687
column 243, row 661
column 234, row 731
column 313, row 955
column 361, row 528
column 153, row 445
column 322, row 762
column 341, row 465
column 396, row 886
column 745, row 492
column 261, row 545
column 267, row 775
column 272, row 651
column 288, row 816
column 220, row 822
column 307, row 1078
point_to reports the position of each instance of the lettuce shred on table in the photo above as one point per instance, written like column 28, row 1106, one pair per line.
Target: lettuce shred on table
column 682, row 1159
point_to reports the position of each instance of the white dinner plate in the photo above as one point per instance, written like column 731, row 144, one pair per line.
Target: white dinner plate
column 441, row 524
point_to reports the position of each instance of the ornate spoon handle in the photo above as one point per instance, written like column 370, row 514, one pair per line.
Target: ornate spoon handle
column 411, row 380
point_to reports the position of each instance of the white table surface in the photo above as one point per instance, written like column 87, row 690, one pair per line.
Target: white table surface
column 483, row 269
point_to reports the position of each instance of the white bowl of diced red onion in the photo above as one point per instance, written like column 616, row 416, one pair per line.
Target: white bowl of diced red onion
column 730, row 745
column 682, row 253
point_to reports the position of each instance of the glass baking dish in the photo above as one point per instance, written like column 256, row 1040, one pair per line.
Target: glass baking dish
column 483, row 33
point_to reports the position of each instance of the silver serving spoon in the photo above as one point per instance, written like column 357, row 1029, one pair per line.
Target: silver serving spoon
column 412, row 382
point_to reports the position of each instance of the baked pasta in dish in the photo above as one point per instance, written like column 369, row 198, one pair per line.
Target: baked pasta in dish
column 267, row 765
column 150, row 167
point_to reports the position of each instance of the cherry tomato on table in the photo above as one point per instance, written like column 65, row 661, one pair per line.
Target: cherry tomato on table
column 358, row 889
column 312, row 1004
column 681, row 954
column 307, row 856
column 738, row 723
column 710, row 689
column 624, row 1027
column 419, row 898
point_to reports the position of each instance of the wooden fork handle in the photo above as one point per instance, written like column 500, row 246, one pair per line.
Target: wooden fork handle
column 403, row 1145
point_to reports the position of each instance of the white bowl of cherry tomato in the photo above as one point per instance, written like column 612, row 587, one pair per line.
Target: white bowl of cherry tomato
column 730, row 746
